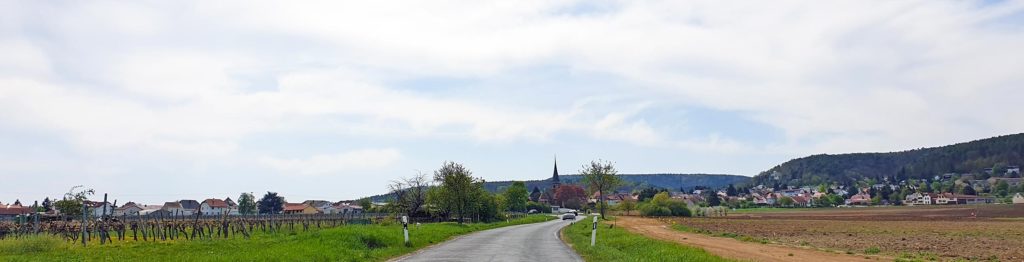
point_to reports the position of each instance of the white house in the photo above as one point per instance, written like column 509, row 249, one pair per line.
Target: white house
column 96, row 209
column 215, row 206
column 174, row 208
column 128, row 209
column 346, row 208
column 1018, row 199
column 918, row 199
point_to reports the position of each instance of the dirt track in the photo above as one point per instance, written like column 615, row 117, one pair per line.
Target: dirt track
column 731, row 248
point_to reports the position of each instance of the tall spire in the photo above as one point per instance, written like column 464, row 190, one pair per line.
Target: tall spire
column 554, row 175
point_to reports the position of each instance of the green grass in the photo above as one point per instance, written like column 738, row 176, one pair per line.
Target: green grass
column 346, row 243
column 617, row 244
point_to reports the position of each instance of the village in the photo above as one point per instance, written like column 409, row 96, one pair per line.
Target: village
column 184, row 207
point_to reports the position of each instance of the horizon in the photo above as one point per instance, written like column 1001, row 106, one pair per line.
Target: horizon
column 155, row 102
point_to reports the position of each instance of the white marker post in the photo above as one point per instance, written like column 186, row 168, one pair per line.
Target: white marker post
column 593, row 232
column 405, row 228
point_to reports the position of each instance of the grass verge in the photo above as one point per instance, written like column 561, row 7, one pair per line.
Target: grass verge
column 617, row 244
column 346, row 243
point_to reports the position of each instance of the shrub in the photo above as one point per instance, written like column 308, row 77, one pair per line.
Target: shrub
column 872, row 250
column 653, row 210
column 679, row 209
column 542, row 208
column 662, row 205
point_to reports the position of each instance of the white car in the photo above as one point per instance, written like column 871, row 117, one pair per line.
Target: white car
column 568, row 216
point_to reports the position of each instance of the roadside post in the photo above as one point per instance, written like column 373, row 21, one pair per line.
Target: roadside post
column 593, row 232
column 405, row 228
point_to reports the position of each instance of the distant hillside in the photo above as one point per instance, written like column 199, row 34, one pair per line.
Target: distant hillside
column 970, row 157
column 668, row 181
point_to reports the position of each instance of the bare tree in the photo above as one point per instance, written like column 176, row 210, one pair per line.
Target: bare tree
column 410, row 194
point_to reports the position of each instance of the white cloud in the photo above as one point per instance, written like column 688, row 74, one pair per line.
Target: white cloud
column 335, row 164
column 197, row 80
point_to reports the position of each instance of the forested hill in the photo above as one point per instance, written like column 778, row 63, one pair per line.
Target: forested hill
column 969, row 157
column 667, row 181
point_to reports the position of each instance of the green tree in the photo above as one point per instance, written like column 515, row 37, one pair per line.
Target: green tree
column 456, row 191
column 1002, row 188
column 712, row 198
column 786, row 201
column 247, row 204
column 271, row 203
column 71, row 205
column 365, row 203
column 968, row 190
column 516, row 197
column 627, row 205
column 600, row 177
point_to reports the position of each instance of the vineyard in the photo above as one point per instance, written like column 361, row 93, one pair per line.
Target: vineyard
column 175, row 227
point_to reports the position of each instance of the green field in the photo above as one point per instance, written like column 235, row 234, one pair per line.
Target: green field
column 617, row 244
column 346, row 243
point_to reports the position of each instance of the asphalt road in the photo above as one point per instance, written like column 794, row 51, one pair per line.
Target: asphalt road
column 530, row 242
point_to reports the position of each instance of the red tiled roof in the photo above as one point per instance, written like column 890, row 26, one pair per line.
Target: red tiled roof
column 294, row 206
column 14, row 210
column 215, row 203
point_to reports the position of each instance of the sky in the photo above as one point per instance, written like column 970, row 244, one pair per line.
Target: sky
column 154, row 101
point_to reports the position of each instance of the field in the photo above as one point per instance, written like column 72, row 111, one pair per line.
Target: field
column 617, row 244
column 985, row 232
column 344, row 243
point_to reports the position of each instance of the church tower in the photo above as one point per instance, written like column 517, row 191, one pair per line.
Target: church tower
column 555, row 182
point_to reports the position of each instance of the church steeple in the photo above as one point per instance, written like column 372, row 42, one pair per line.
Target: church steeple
column 555, row 182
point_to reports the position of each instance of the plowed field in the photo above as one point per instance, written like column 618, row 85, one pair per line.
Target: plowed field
column 926, row 233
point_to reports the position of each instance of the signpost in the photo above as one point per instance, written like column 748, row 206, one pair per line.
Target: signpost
column 593, row 232
column 405, row 228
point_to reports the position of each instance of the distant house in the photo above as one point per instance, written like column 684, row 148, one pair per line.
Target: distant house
column 1018, row 199
column 156, row 213
column 191, row 205
column 954, row 199
column 346, row 208
column 919, row 199
column 98, row 209
column 861, row 199
column 299, row 208
column 791, row 192
column 317, row 203
column 1013, row 170
column 801, row 201
column 215, row 206
column 8, row 211
column 173, row 208
column 128, row 209
column 1013, row 182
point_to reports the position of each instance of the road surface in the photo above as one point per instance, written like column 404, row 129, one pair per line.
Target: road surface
column 530, row 242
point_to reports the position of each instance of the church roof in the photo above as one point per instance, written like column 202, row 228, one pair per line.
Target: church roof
column 554, row 175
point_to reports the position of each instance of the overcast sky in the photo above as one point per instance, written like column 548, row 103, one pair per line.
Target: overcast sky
column 163, row 100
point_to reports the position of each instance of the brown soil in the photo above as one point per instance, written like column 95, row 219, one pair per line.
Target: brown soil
column 731, row 248
column 987, row 232
column 916, row 213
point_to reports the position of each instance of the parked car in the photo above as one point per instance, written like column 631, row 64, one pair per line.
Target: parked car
column 568, row 217
column 532, row 211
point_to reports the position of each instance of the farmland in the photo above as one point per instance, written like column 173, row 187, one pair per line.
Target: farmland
column 984, row 232
column 617, row 244
column 374, row 242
